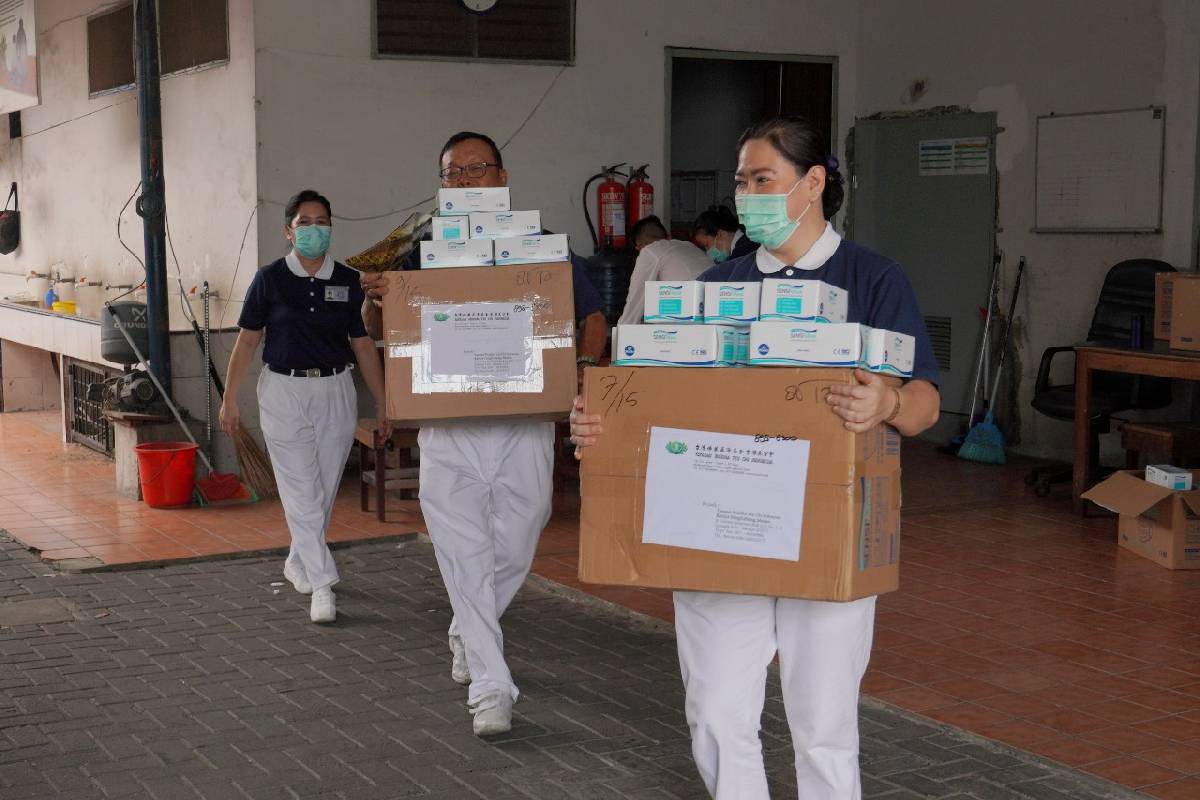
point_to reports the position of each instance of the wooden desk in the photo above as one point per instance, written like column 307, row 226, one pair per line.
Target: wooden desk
column 1159, row 361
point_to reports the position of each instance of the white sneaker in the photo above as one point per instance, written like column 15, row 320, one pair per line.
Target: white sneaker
column 459, row 671
column 493, row 714
column 323, row 609
column 294, row 572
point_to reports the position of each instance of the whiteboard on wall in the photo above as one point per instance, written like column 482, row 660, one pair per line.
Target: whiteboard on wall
column 1100, row 172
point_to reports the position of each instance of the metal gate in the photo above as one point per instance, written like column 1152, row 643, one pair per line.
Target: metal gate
column 86, row 423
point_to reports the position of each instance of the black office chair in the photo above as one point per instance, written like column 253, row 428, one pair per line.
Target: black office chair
column 1127, row 294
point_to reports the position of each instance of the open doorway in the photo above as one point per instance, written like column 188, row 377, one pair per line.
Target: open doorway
column 714, row 95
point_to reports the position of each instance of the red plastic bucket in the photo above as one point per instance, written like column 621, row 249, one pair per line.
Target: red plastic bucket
column 166, row 471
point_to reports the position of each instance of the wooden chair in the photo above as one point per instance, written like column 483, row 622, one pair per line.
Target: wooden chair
column 374, row 470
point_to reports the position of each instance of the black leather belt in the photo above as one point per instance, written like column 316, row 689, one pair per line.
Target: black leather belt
column 311, row 372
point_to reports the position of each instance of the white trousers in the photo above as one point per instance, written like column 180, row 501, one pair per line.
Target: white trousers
column 486, row 489
column 309, row 427
column 727, row 641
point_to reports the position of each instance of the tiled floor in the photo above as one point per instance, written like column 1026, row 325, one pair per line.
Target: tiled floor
column 1016, row 620
column 61, row 500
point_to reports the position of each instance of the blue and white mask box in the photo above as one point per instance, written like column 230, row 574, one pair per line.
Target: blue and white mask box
column 1174, row 478
column 727, row 303
column 505, row 224
column 675, row 346
column 455, row 227
column 547, row 249
column 464, row 201
column 457, row 253
column 674, row 301
column 802, row 301
column 807, row 344
column 888, row 352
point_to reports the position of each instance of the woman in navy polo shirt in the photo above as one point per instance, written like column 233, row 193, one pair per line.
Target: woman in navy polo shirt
column 310, row 307
column 787, row 187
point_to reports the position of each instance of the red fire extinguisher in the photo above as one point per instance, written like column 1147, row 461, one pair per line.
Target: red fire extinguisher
column 640, row 194
column 610, row 208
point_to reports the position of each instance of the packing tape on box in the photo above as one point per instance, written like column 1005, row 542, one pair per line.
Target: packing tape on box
column 424, row 381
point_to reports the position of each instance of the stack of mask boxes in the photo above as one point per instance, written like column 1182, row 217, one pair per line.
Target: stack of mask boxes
column 476, row 228
column 794, row 323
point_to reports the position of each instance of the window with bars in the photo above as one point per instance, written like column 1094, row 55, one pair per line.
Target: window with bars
column 191, row 33
column 537, row 31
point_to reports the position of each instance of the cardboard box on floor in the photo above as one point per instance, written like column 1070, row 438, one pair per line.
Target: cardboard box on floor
column 1155, row 522
column 415, row 394
column 849, row 544
column 1185, row 311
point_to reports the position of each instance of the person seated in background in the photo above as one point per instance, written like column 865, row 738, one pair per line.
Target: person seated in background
column 718, row 233
column 660, row 258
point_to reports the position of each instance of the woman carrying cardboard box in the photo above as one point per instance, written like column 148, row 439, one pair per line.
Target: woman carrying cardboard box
column 787, row 189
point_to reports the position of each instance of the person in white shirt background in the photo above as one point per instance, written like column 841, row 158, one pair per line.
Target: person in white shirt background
column 660, row 258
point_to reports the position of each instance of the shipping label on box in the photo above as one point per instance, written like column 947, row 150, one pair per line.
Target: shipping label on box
column 456, row 253
column 476, row 343
column 734, row 303
column 1185, row 311
column 848, row 498
column 674, row 301
column 1155, row 522
column 802, row 300
column 888, row 352
column 454, row 228
column 505, row 224
column 675, row 345
column 464, row 201
column 546, row 249
column 792, row 344
column 1173, row 478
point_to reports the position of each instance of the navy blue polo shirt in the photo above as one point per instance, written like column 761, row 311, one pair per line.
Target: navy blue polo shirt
column 310, row 320
column 587, row 299
column 878, row 293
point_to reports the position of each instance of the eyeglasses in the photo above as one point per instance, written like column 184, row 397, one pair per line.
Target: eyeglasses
column 475, row 170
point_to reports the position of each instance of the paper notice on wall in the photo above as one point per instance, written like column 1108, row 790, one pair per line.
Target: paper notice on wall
column 478, row 341
column 18, row 56
column 967, row 156
column 726, row 493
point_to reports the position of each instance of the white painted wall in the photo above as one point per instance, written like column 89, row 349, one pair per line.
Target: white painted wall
column 78, row 162
column 368, row 132
column 1028, row 58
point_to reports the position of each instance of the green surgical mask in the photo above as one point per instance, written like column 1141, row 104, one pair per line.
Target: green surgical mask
column 766, row 219
column 716, row 254
column 312, row 241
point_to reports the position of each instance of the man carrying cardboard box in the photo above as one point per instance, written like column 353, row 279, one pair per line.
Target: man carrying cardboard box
column 486, row 486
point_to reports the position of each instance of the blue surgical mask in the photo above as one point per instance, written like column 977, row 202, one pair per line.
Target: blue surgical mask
column 312, row 240
column 716, row 254
column 766, row 219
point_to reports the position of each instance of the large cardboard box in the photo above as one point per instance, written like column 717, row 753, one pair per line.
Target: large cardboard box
column 1185, row 312
column 1155, row 522
column 849, row 539
column 455, row 347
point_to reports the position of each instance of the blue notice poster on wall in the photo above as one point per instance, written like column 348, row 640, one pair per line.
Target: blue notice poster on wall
column 18, row 55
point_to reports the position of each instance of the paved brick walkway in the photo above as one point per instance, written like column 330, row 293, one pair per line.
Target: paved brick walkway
column 205, row 680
